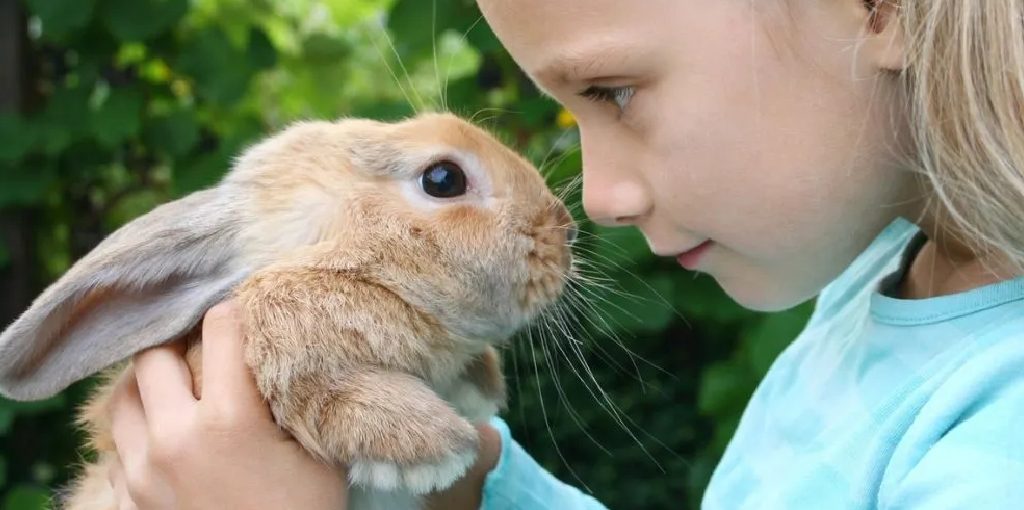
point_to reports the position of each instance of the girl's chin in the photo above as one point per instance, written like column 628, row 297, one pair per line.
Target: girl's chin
column 761, row 295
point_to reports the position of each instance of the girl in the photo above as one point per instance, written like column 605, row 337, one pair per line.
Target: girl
column 869, row 152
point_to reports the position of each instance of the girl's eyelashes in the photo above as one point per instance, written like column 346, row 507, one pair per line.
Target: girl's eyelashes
column 619, row 96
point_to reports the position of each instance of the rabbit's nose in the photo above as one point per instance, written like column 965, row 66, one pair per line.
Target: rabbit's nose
column 571, row 233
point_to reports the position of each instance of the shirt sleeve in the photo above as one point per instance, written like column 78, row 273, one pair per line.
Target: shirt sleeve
column 978, row 461
column 518, row 482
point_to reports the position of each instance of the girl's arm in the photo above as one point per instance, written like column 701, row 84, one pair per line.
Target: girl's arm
column 519, row 482
column 507, row 478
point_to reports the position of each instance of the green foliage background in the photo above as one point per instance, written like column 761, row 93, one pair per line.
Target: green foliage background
column 136, row 102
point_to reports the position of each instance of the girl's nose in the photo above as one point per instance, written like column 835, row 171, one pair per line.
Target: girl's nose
column 615, row 189
column 615, row 201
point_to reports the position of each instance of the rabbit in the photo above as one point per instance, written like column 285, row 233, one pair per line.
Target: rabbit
column 372, row 262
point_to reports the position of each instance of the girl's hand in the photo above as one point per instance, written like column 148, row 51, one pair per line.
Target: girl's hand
column 222, row 451
column 467, row 493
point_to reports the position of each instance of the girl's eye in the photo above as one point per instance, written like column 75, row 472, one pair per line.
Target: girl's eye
column 619, row 96
column 443, row 180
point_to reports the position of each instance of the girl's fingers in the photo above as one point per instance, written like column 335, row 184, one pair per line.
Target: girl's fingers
column 128, row 420
column 164, row 382
column 227, row 380
column 117, row 480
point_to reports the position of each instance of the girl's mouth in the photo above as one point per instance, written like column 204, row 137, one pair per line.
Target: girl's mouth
column 691, row 258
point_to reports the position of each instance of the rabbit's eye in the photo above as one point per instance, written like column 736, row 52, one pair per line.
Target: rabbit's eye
column 444, row 180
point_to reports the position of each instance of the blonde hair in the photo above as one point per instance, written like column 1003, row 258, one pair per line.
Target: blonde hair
column 964, row 79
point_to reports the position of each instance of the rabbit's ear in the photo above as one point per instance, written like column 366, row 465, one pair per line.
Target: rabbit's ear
column 147, row 283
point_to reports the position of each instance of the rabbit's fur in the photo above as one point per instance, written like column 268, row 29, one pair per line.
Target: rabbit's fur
column 372, row 310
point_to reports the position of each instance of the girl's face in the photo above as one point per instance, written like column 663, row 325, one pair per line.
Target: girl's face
column 766, row 134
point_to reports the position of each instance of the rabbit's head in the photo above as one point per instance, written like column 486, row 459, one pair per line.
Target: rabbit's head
column 444, row 215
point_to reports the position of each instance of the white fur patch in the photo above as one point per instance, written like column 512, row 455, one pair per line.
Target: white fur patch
column 471, row 403
column 379, row 475
column 416, row 478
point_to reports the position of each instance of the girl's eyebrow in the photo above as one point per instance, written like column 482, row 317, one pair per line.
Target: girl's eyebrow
column 571, row 65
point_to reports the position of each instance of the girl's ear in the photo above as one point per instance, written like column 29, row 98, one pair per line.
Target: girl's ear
column 147, row 283
column 886, row 37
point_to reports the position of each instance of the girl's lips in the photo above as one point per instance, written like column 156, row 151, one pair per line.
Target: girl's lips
column 690, row 259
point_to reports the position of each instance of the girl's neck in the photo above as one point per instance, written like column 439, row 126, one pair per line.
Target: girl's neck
column 944, row 266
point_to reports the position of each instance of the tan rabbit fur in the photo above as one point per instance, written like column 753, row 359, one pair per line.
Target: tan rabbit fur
column 371, row 308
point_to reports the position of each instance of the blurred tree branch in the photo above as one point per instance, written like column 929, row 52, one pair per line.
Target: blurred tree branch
column 15, row 223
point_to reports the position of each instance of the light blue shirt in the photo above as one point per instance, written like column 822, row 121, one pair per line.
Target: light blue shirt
column 879, row 403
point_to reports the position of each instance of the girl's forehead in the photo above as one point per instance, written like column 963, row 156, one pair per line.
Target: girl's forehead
column 551, row 38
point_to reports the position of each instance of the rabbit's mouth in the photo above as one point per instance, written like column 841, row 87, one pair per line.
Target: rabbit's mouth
column 543, row 287
column 549, row 264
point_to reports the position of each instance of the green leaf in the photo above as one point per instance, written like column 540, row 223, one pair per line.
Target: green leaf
column 261, row 52
column 53, row 246
column 482, row 38
column 349, row 12
column 11, row 409
column 383, row 110
column 635, row 303
column 17, row 136
column 724, row 388
column 562, row 171
column 207, row 169
column 700, row 298
column 416, row 24
column 324, row 49
column 199, row 174
column 3, row 471
column 221, row 72
column 130, row 207
column 176, row 133
column 33, row 407
column 412, row 22
column 61, row 17
column 615, row 248
column 725, row 429
column 66, row 119
column 138, row 20
column 118, row 117
column 27, row 497
column 91, row 60
column 456, row 58
column 772, row 334
column 24, row 185
column 537, row 110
